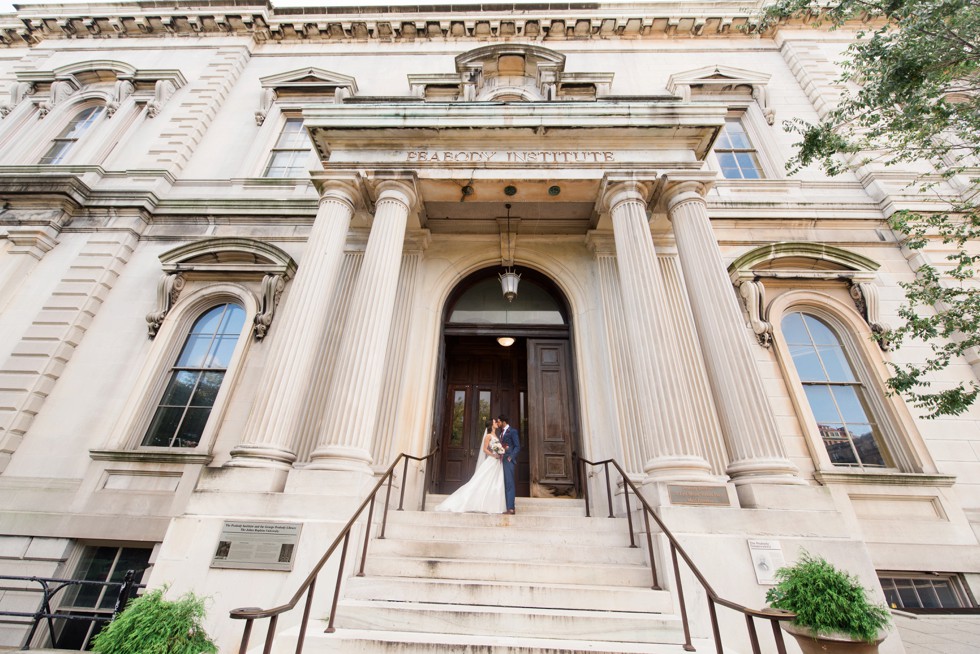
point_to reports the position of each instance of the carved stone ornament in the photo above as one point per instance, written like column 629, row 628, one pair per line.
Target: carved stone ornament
column 272, row 288
column 18, row 91
column 163, row 90
column 865, row 296
column 121, row 90
column 168, row 290
column 60, row 91
column 266, row 99
column 761, row 95
column 754, row 295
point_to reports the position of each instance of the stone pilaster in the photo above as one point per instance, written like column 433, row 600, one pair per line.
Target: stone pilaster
column 346, row 436
column 662, row 398
column 755, row 449
column 269, row 432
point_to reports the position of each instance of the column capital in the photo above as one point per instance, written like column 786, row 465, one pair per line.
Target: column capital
column 615, row 189
column 676, row 192
column 346, row 188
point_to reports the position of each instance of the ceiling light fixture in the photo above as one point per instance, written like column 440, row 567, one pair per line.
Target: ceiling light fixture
column 506, row 341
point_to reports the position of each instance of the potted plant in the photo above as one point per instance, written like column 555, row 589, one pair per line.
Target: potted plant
column 833, row 612
column 154, row 625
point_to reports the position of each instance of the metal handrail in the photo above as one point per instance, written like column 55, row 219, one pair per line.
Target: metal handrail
column 250, row 614
column 51, row 586
column 774, row 616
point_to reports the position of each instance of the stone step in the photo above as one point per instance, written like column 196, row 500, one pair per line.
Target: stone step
column 505, row 552
column 522, row 521
column 537, row 571
column 528, row 622
column 530, row 505
column 597, row 535
column 497, row 593
column 358, row 641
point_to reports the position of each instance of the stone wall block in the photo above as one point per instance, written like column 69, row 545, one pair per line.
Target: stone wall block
column 26, row 381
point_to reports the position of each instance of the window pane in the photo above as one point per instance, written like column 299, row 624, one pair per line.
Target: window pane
column 95, row 565
column 131, row 558
column 822, row 404
column 485, row 407
column 819, row 331
column 729, row 167
column 209, row 322
column 195, row 351
column 233, row 320
column 459, row 400
column 736, row 134
column 192, row 427
column 807, row 363
column 793, row 330
column 748, row 164
column 838, row 446
column 927, row 595
column 207, row 390
column 836, row 365
column 163, row 427
column 849, row 404
column 57, row 153
column 948, row 598
column 866, row 445
column 180, row 388
column 221, row 351
column 907, row 593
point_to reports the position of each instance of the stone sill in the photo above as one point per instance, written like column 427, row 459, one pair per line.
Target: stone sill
column 885, row 478
column 152, row 456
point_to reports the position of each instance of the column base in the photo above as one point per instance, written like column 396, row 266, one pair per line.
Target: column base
column 764, row 471
column 341, row 458
column 251, row 479
column 247, row 455
column 676, row 468
column 353, row 484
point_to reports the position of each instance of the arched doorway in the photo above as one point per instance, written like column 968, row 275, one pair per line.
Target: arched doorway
column 531, row 380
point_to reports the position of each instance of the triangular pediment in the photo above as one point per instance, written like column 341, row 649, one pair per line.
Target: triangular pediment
column 717, row 74
column 308, row 79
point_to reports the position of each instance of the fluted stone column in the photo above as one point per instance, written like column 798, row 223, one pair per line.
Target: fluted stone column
column 346, row 435
column 673, row 446
column 273, row 422
column 755, row 449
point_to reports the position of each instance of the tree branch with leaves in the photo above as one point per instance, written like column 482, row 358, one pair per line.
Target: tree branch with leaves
column 911, row 95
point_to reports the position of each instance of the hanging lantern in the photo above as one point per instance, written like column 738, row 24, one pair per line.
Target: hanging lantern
column 508, row 283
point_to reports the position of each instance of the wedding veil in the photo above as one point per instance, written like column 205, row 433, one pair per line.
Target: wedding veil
column 482, row 455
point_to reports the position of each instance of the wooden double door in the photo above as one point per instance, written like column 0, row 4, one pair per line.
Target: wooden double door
column 531, row 383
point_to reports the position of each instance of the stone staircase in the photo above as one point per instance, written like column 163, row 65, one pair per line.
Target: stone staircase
column 545, row 580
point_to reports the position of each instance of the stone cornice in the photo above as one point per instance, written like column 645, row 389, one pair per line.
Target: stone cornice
column 478, row 22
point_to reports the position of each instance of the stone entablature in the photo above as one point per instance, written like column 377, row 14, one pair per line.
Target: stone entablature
column 575, row 21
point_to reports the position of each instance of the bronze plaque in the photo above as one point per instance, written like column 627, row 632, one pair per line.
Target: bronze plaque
column 698, row 495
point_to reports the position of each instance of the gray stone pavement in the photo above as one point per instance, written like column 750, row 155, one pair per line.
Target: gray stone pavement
column 939, row 634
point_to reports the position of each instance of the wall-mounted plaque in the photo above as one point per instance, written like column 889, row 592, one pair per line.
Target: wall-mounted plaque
column 767, row 557
column 698, row 495
column 256, row 545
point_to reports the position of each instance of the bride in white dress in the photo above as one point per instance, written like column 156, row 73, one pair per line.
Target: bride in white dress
column 484, row 492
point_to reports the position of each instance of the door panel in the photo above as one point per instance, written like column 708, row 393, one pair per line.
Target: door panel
column 551, row 417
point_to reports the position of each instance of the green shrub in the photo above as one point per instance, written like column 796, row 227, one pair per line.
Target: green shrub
column 153, row 625
column 827, row 600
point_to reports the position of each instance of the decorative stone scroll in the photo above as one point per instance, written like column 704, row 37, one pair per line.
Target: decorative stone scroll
column 61, row 90
column 121, row 90
column 272, row 288
column 18, row 91
column 168, row 290
column 865, row 296
column 754, row 295
column 266, row 99
column 162, row 92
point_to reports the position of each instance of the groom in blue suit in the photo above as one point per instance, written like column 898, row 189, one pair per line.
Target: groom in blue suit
column 511, row 440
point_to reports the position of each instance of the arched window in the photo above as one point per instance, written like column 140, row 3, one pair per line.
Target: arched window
column 836, row 396
column 62, row 144
column 196, row 378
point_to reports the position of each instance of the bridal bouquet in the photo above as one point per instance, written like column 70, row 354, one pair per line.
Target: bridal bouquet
column 495, row 446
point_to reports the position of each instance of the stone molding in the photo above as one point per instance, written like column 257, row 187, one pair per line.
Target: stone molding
column 224, row 258
column 721, row 83
column 303, row 85
column 262, row 22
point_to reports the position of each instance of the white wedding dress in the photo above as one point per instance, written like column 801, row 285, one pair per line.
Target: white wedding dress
column 483, row 493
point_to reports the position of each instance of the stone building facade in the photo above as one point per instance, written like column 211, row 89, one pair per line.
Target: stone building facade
column 248, row 255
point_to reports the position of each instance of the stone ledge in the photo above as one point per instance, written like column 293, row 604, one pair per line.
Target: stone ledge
column 151, row 456
column 885, row 478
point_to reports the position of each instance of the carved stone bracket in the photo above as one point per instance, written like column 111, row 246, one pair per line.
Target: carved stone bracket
column 754, row 295
column 266, row 99
column 865, row 296
column 18, row 91
column 61, row 90
column 121, row 90
column 168, row 290
column 272, row 288
column 162, row 92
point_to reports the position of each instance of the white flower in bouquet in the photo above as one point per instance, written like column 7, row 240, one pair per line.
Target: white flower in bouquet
column 495, row 446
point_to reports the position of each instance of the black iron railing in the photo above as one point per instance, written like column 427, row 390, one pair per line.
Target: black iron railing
column 50, row 587
column 250, row 614
column 774, row 616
